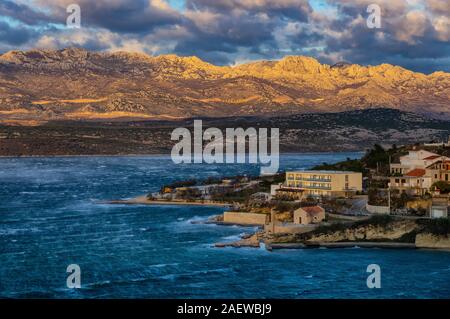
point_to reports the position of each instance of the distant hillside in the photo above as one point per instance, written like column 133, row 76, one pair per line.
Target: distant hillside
column 71, row 84
column 346, row 131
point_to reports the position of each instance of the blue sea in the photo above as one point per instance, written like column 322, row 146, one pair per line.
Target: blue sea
column 50, row 217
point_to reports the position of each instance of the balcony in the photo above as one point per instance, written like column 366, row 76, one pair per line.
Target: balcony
column 322, row 180
column 327, row 188
column 301, row 186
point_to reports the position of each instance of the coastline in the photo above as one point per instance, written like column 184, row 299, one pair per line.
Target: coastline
column 255, row 241
column 143, row 200
column 85, row 155
column 258, row 238
column 159, row 154
column 384, row 245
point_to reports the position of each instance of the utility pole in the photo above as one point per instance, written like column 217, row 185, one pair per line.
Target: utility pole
column 389, row 197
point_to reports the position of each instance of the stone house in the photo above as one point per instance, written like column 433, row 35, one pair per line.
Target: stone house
column 309, row 215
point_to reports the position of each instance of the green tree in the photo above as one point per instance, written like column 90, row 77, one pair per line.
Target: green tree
column 444, row 187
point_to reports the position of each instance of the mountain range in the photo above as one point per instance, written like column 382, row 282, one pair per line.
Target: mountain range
column 38, row 86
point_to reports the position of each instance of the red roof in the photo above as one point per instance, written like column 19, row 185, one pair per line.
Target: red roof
column 432, row 157
column 313, row 210
column 416, row 172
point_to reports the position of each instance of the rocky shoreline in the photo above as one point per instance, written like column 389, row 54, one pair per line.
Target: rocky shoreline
column 396, row 234
column 256, row 241
column 143, row 200
column 387, row 245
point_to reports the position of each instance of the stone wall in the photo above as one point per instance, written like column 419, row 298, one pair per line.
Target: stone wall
column 242, row 218
column 377, row 209
column 289, row 228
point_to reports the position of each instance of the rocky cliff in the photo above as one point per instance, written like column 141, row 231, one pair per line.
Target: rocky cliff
column 392, row 231
column 432, row 241
column 421, row 233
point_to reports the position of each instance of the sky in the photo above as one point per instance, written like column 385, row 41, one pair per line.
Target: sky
column 414, row 34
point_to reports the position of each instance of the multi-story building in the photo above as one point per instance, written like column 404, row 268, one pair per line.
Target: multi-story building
column 439, row 171
column 415, row 159
column 321, row 183
column 418, row 171
column 415, row 182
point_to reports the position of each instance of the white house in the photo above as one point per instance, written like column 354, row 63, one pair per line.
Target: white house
column 415, row 159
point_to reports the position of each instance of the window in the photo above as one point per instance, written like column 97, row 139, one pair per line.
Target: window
column 446, row 177
column 397, row 180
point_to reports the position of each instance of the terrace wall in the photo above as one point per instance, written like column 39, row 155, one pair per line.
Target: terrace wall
column 243, row 218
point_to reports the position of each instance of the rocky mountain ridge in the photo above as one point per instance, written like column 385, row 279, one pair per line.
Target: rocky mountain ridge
column 75, row 84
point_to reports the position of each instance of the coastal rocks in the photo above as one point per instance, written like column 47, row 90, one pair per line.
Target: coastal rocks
column 364, row 244
column 432, row 241
column 395, row 234
column 245, row 241
column 393, row 231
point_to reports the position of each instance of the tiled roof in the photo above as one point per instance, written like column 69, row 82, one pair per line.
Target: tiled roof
column 416, row 172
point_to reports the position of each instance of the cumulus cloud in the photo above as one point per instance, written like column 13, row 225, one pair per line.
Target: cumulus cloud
column 122, row 16
column 14, row 36
column 294, row 9
column 414, row 33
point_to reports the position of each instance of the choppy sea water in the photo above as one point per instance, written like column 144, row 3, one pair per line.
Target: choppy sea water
column 50, row 217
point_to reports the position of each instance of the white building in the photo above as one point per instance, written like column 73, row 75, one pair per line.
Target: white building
column 439, row 207
column 420, row 159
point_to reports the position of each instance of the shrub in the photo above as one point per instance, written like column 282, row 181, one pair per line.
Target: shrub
column 444, row 187
column 376, row 220
column 326, row 229
column 439, row 226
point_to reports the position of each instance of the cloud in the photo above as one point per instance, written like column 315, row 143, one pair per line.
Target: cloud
column 292, row 9
column 414, row 33
column 409, row 36
column 14, row 36
column 122, row 16
column 24, row 13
